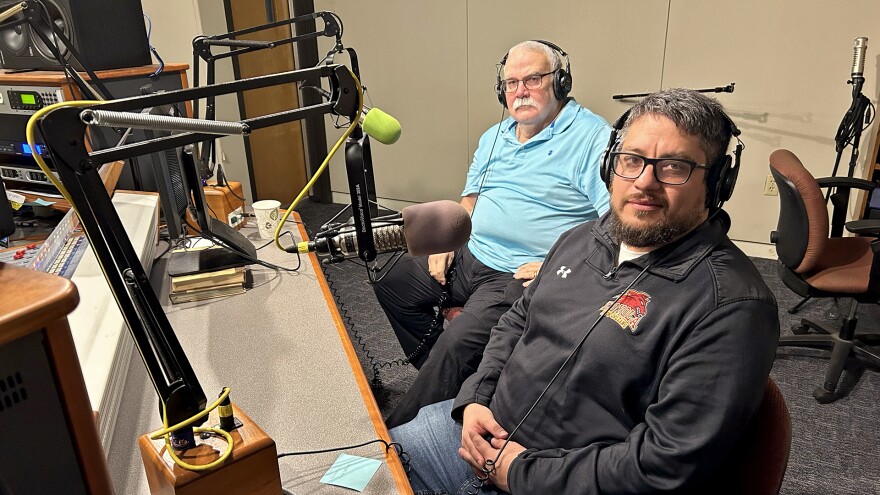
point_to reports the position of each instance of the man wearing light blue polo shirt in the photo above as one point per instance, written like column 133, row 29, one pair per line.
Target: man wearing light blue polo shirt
column 534, row 176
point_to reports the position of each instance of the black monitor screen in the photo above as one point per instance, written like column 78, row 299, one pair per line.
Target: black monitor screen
column 170, row 179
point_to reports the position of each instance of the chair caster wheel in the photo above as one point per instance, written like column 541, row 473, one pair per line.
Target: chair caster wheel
column 800, row 329
column 823, row 396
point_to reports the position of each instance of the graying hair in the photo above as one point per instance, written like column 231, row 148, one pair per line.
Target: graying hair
column 692, row 112
column 551, row 55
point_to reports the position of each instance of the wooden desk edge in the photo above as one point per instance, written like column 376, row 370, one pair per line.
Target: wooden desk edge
column 391, row 457
column 52, row 77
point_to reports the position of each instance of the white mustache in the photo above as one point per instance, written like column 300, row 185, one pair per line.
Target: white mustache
column 522, row 102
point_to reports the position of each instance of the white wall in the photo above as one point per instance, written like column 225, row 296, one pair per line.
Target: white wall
column 432, row 65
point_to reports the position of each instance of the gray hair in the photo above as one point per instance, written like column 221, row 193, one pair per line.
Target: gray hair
column 553, row 57
column 692, row 112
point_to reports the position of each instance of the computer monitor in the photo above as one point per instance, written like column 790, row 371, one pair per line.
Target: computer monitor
column 179, row 185
column 239, row 250
column 180, row 189
column 169, row 179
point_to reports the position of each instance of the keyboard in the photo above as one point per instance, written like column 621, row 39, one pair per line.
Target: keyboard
column 61, row 252
column 68, row 256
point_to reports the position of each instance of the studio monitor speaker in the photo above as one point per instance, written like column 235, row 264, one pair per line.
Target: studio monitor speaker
column 108, row 34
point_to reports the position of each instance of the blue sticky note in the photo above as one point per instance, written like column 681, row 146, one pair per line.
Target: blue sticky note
column 351, row 471
column 42, row 202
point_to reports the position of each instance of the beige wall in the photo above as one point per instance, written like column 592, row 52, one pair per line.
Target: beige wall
column 432, row 65
column 790, row 61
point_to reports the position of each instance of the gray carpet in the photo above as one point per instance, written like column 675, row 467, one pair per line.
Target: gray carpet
column 834, row 446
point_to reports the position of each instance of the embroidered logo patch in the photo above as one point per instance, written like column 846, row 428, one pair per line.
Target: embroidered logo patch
column 629, row 310
column 563, row 272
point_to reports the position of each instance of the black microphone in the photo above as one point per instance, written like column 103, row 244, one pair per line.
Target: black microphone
column 428, row 228
column 858, row 67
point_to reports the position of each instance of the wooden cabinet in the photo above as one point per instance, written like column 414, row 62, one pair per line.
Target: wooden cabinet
column 132, row 81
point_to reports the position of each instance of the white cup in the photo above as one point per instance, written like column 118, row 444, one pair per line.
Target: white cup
column 266, row 212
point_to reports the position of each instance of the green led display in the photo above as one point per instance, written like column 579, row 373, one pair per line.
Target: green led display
column 28, row 99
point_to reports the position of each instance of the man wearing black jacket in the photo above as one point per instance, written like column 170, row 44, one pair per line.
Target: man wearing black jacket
column 640, row 352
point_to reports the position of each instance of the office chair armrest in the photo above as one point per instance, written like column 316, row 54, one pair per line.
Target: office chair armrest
column 851, row 182
column 870, row 227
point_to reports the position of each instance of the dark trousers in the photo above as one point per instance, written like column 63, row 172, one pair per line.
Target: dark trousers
column 409, row 296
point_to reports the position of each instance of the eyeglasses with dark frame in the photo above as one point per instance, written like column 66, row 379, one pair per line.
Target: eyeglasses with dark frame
column 672, row 171
column 535, row 81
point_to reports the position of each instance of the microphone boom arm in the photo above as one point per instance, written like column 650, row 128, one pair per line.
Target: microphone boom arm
column 202, row 49
column 64, row 130
column 717, row 89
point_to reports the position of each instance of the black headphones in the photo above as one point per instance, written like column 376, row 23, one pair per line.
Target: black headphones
column 561, row 77
column 721, row 175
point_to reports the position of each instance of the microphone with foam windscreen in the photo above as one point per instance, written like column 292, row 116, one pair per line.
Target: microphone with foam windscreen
column 380, row 126
column 376, row 123
column 427, row 228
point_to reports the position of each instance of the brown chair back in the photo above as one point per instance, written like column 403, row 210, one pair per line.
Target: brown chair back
column 766, row 445
column 800, row 241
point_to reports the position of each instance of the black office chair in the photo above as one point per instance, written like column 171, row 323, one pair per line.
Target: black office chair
column 814, row 265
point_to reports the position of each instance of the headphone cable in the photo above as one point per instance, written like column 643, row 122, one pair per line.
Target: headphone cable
column 489, row 464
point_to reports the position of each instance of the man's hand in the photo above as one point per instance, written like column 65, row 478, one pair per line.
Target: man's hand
column 528, row 272
column 438, row 264
column 498, row 475
column 478, row 423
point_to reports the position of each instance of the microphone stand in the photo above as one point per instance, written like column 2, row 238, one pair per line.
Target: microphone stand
column 717, row 89
column 64, row 128
column 361, row 182
column 848, row 133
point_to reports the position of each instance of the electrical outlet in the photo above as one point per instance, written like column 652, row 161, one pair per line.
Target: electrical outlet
column 770, row 187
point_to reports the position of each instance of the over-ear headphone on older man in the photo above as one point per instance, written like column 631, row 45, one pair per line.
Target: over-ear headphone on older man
column 721, row 175
column 561, row 77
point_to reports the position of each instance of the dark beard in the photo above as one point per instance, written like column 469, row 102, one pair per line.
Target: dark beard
column 659, row 234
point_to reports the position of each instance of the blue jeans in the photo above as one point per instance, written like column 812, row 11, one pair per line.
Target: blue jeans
column 432, row 440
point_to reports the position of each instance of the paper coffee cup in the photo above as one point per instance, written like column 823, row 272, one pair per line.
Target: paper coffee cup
column 266, row 212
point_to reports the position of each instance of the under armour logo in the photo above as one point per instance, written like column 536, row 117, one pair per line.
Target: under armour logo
column 563, row 271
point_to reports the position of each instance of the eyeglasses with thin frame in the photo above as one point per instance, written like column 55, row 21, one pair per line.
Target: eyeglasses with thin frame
column 535, row 81
column 672, row 171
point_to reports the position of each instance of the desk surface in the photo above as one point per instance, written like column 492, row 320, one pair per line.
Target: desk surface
column 283, row 350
